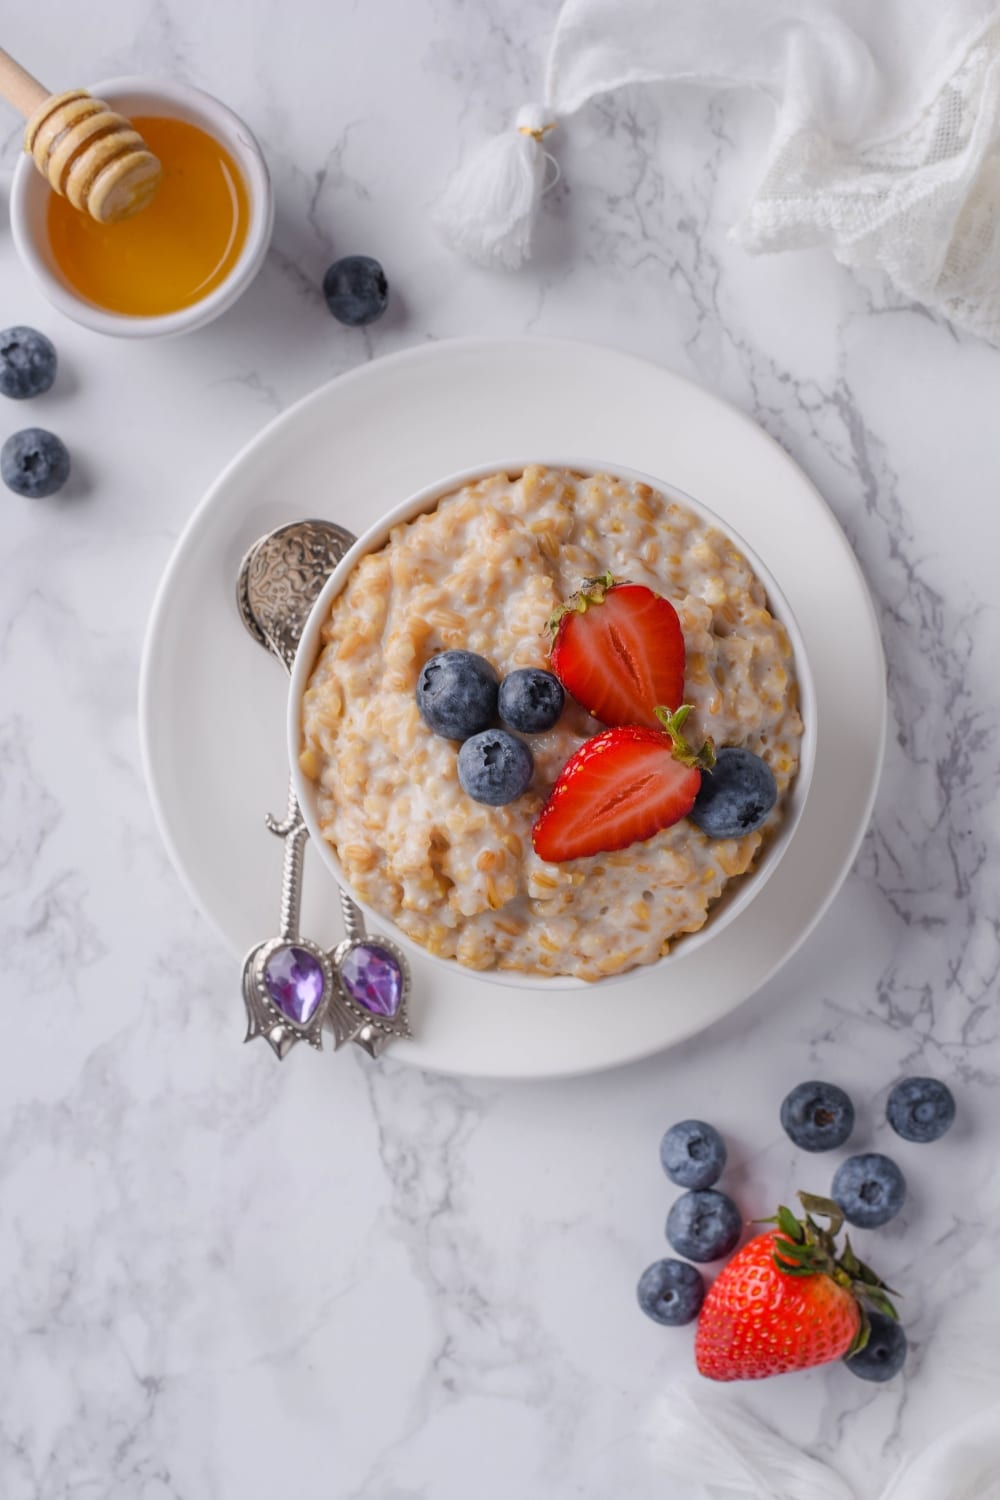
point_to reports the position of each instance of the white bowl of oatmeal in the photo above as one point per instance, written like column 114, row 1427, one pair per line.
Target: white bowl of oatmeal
column 479, row 562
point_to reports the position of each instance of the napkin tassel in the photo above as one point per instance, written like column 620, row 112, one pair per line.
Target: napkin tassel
column 490, row 206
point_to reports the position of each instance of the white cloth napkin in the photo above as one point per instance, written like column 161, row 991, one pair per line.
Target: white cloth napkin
column 885, row 144
column 713, row 1448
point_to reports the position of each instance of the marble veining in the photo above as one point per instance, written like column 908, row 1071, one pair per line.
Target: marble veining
column 220, row 1278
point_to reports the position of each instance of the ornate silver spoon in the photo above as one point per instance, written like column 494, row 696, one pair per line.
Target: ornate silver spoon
column 291, row 986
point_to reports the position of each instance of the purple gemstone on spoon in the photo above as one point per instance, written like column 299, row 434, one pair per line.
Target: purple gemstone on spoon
column 373, row 978
column 294, row 979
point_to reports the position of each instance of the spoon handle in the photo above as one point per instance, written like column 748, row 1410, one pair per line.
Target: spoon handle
column 347, row 1026
column 354, row 922
column 293, row 831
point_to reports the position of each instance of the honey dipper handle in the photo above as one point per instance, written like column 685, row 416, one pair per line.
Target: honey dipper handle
column 19, row 88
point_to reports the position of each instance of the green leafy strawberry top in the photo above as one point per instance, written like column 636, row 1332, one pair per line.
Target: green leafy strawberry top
column 804, row 1248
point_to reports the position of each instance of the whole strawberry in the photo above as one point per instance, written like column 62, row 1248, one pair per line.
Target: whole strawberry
column 788, row 1300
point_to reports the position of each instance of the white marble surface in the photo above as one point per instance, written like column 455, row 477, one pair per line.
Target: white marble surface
column 221, row 1278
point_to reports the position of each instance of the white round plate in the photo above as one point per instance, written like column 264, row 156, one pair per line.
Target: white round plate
column 212, row 705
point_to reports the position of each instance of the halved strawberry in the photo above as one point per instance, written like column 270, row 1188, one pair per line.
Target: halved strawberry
column 620, row 788
column 788, row 1300
column 619, row 650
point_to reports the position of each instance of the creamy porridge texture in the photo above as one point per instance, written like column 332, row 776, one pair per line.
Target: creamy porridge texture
column 484, row 572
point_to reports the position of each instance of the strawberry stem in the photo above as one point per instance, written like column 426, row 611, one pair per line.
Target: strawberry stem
column 591, row 591
column 673, row 723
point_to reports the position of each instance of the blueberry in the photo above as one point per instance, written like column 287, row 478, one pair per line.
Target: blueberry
column 34, row 462
column 531, row 700
column 27, row 363
column 885, row 1352
column 693, row 1154
column 870, row 1189
column 736, row 797
column 494, row 767
column 704, row 1225
column 817, row 1116
column 921, row 1109
column 457, row 694
column 671, row 1291
column 356, row 290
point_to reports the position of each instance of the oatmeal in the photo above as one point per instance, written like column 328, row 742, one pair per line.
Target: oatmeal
column 483, row 572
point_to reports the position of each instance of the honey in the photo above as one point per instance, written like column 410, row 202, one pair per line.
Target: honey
column 178, row 249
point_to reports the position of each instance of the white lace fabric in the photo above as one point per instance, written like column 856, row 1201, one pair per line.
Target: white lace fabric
column 922, row 205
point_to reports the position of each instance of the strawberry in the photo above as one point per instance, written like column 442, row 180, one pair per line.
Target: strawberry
column 621, row 787
column 619, row 649
column 788, row 1300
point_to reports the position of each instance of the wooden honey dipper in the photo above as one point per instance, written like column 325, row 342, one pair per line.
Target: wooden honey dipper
column 83, row 149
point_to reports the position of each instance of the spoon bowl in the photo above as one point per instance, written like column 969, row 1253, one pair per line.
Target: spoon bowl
column 281, row 577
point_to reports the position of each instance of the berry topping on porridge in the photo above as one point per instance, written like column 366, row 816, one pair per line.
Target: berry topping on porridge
column 531, row 700
column 619, row 649
column 494, row 767
column 621, row 788
column 402, row 745
column 738, row 796
column 457, row 694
